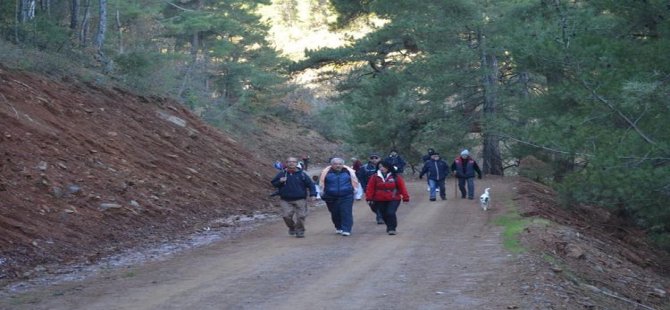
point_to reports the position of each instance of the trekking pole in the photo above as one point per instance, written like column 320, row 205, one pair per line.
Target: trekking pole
column 455, row 186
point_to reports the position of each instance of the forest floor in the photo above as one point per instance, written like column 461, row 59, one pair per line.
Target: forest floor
column 110, row 200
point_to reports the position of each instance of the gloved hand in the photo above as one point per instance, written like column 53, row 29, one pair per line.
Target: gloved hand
column 480, row 177
column 420, row 176
column 370, row 203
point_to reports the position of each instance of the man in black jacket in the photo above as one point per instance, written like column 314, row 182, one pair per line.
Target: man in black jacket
column 437, row 171
column 294, row 185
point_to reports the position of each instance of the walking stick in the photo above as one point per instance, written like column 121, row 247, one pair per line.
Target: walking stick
column 455, row 186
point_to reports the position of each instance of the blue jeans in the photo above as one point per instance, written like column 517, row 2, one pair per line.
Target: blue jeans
column 434, row 185
column 471, row 187
column 388, row 210
column 341, row 212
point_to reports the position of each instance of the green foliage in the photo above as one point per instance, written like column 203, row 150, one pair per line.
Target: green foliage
column 582, row 88
column 333, row 122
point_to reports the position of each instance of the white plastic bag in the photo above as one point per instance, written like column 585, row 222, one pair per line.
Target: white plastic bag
column 359, row 192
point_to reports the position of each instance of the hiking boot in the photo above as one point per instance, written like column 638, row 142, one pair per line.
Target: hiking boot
column 444, row 198
column 432, row 199
column 339, row 231
column 471, row 198
column 300, row 234
column 346, row 233
column 391, row 232
column 291, row 232
column 380, row 222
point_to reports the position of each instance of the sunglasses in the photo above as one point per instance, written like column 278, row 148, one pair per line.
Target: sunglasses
column 374, row 157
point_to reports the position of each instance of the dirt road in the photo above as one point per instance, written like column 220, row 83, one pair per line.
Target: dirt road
column 447, row 255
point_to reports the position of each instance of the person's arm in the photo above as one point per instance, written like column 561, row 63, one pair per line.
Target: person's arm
column 310, row 185
column 275, row 181
column 352, row 174
column 424, row 170
column 370, row 189
column 402, row 188
column 453, row 166
column 476, row 167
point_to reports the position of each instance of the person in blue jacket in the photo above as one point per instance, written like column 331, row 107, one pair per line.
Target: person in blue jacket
column 338, row 183
column 293, row 186
column 437, row 171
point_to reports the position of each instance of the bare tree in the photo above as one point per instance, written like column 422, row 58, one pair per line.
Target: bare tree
column 491, row 149
column 74, row 15
column 83, row 31
column 102, row 26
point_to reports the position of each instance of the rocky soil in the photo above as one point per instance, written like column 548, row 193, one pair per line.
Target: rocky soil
column 87, row 171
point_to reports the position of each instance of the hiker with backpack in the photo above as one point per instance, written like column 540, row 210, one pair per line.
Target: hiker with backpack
column 338, row 183
column 294, row 185
column 437, row 171
column 384, row 192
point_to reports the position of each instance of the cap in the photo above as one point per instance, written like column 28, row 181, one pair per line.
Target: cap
column 465, row 153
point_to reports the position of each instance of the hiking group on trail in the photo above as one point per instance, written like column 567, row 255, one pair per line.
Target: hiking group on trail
column 379, row 181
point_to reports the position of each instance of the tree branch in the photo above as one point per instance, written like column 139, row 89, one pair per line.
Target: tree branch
column 542, row 146
column 179, row 7
column 613, row 108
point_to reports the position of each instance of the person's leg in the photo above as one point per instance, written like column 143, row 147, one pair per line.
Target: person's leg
column 433, row 185
column 334, row 214
column 301, row 213
column 443, row 190
column 390, row 217
column 379, row 216
column 461, row 186
column 471, row 188
column 345, row 207
column 287, row 214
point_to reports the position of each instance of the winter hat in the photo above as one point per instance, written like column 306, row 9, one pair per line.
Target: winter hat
column 465, row 153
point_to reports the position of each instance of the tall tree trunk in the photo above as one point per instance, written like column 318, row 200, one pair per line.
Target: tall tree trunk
column 491, row 149
column 74, row 15
column 120, row 30
column 45, row 5
column 83, row 31
column 17, row 21
column 102, row 26
column 26, row 10
column 195, row 46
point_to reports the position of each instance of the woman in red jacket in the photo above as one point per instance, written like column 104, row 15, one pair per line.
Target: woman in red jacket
column 384, row 192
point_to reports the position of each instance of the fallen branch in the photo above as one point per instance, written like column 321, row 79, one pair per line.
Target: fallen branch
column 10, row 105
column 595, row 289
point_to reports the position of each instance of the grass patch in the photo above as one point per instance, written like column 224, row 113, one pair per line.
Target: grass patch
column 513, row 225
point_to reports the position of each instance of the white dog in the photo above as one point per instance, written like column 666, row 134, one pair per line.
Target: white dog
column 484, row 199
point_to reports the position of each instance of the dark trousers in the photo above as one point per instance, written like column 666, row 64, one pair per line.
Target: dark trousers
column 341, row 212
column 388, row 210
column 471, row 187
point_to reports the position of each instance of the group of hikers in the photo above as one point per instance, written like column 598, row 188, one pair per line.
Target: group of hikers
column 379, row 181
